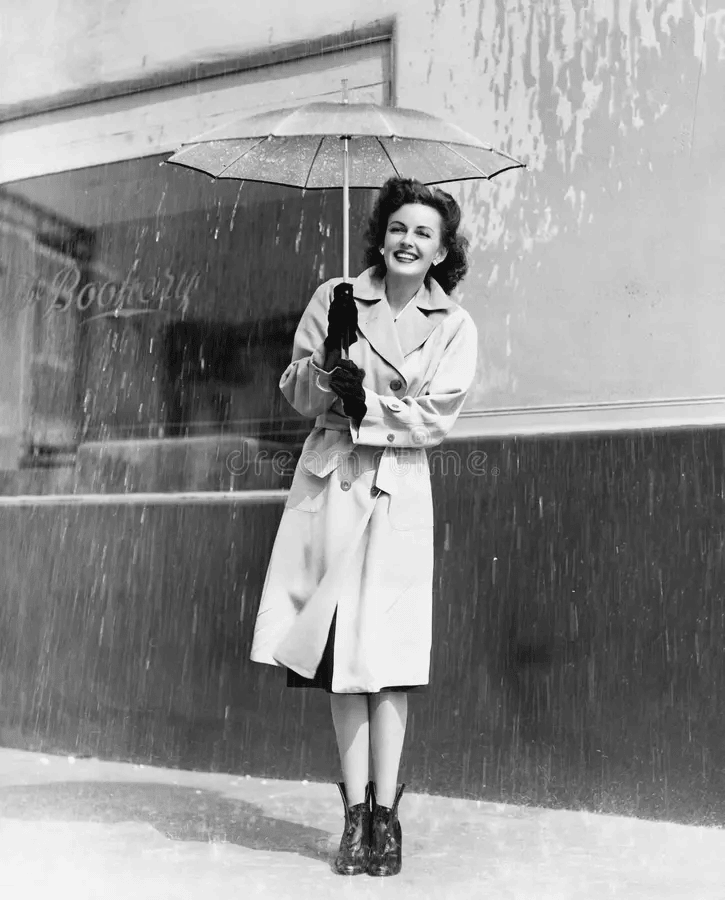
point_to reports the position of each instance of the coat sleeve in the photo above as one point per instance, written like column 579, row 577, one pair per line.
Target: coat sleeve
column 424, row 421
column 300, row 382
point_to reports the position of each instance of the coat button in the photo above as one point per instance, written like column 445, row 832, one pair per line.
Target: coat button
column 396, row 384
column 345, row 485
column 391, row 438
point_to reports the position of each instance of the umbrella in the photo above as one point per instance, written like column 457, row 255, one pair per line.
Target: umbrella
column 330, row 145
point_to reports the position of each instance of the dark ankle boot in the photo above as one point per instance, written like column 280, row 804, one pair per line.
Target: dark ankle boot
column 352, row 857
column 386, row 838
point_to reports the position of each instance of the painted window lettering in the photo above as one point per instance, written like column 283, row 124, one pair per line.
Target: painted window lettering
column 132, row 296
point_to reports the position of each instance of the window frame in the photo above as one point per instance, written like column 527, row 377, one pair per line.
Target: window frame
column 93, row 104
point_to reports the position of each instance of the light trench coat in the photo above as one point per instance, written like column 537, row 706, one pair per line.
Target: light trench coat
column 356, row 534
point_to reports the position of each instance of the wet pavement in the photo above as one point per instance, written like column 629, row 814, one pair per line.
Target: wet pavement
column 84, row 828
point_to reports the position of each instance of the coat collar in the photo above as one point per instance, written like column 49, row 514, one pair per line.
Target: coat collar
column 367, row 287
column 394, row 341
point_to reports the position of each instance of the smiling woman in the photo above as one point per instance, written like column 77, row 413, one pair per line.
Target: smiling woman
column 347, row 601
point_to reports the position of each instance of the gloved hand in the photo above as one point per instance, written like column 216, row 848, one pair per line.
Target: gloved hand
column 347, row 382
column 341, row 318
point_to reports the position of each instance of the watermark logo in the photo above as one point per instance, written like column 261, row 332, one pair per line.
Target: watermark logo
column 443, row 462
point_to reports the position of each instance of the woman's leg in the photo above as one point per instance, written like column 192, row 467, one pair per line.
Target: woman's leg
column 388, row 718
column 352, row 728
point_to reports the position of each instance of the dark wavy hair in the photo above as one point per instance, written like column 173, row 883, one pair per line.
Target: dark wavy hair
column 397, row 192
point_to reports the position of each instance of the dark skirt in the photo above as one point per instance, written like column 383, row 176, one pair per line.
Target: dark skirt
column 323, row 675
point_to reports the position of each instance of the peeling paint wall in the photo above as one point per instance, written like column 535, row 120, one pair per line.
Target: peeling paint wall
column 597, row 274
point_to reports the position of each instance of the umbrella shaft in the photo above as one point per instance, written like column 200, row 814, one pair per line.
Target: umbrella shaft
column 345, row 210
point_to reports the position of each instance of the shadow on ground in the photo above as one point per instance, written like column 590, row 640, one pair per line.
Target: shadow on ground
column 179, row 813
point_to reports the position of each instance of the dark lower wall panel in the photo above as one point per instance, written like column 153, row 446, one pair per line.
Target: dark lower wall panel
column 579, row 631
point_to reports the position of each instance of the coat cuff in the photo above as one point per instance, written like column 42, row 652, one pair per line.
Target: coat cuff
column 383, row 425
column 317, row 361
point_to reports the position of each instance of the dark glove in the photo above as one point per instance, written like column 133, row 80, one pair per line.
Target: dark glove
column 341, row 318
column 347, row 382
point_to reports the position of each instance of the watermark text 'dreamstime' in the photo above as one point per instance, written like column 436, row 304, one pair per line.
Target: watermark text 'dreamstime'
column 439, row 461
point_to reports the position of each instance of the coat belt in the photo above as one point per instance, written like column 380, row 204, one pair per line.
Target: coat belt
column 330, row 444
column 339, row 423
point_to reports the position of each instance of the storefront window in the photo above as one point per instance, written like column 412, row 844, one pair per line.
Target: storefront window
column 146, row 315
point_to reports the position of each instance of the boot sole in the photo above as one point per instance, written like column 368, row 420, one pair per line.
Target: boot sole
column 348, row 871
column 382, row 873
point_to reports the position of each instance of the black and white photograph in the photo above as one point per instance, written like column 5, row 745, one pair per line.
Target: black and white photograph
column 362, row 449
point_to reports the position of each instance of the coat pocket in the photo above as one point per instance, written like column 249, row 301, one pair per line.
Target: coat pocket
column 307, row 492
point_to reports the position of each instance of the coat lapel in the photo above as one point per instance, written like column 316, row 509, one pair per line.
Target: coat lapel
column 375, row 319
column 417, row 322
column 376, row 322
column 395, row 340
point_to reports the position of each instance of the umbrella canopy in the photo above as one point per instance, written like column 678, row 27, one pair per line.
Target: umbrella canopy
column 301, row 146
column 330, row 145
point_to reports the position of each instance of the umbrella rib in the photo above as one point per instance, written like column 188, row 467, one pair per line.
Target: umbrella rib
column 241, row 156
column 385, row 151
column 314, row 160
column 461, row 156
column 517, row 163
column 512, row 158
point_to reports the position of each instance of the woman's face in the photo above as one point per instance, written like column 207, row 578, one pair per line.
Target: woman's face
column 413, row 241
